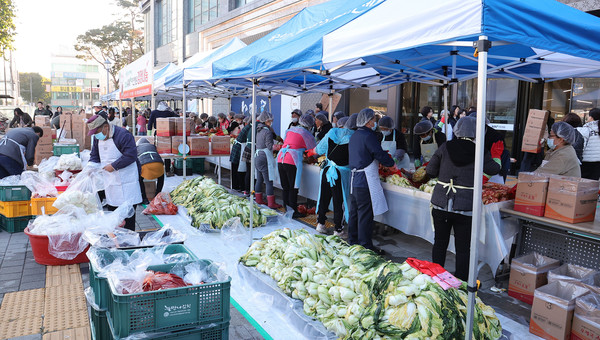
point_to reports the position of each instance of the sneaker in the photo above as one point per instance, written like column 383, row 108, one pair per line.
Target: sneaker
column 323, row 229
column 341, row 233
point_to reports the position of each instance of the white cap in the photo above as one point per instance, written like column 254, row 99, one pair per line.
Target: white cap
column 97, row 103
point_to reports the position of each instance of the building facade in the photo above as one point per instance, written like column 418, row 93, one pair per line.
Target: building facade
column 75, row 83
column 176, row 30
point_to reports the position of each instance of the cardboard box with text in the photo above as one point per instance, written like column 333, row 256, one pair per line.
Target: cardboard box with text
column 571, row 199
column 166, row 127
column 219, row 145
column 532, row 189
column 179, row 126
column 163, row 145
column 528, row 273
column 175, row 142
column 42, row 120
column 534, row 130
column 586, row 321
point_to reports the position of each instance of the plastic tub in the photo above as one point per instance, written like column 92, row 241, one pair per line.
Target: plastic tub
column 9, row 193
column 15, row 208
column 15, row 224
column 39, row 247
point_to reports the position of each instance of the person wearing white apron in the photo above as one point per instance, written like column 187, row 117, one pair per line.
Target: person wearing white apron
column 266, row 168
column 452, row 198
column 366, row 194
column 17, row 150
column 297, row 140
column 427, row 141
column 393, row 142
column 114, row 149
column 238, row 168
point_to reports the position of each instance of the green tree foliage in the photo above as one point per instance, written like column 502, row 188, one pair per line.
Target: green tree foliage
column 37, row 91
column 7, row 26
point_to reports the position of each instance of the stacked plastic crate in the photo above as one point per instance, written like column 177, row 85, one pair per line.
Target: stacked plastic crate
column 15, row 209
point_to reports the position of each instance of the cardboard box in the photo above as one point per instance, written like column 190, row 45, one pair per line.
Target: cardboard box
column 532, row 190
column 41, row 154
column 571, row 273
column 199, row 145
column 552, row 310
column 163, row 145
column 175, row 142
column 42, row 120
column 179, row 126
column 65, row 121
column 150, row 187
column 586, row 321
column 527, row 273
column 47, row 137
column 166, row 127
column 534, row 130
column 219, row 145
column 571, row 199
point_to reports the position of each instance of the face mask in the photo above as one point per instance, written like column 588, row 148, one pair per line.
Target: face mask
column 425, row 139
column 100, row 136
column 551, row 144
column 386, row 133
column 374, row 126
column 294, row 120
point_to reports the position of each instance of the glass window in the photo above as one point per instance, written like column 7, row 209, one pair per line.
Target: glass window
column 239, row 3
column 431, row 95
column 557, row 98
column 586, row 95
column 167, row 22
column 201, row 12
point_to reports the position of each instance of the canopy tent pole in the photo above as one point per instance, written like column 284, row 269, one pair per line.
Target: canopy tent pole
column 252, row 151
column 482, row 48
column 133, row 115
column 446, row 122
column 184, row 145
column 229, row 99
column 270, row 103
column 202, row 102
column 120, row 111
column 330, row 108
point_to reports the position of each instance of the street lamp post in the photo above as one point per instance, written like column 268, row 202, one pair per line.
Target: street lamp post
column 107, row 64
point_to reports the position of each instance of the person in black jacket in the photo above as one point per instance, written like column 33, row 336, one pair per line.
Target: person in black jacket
column 152, row 167
column 426, row 141
column 296, row 114
column 162, row 111
column 392, row 140
column 575, row 121
column 453, row 164
column 323, row 126
column 21, row 119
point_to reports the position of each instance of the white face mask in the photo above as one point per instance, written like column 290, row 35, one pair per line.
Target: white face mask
column 294, row 120
column 386, row 132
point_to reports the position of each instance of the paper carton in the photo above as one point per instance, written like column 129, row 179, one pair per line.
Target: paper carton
column 586, row 321
column 220, row 145
column 179, row 126
column 571, row 199
column 552, row 310
column 175, row 142
column 572, row 273
column 534, row 130
column 46, row 139
column 199, row 145
column 163, row 144
column 528, row 273
column 166, row 127
column 65, row 121
column 532, row 190
column 42, row 120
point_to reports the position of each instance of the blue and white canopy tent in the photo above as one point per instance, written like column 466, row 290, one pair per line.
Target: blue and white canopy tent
column 386, row 42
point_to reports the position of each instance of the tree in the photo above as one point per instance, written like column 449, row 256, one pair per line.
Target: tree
column 7, row 26
column 111, row 42
column 136, row 38
column 37, row 90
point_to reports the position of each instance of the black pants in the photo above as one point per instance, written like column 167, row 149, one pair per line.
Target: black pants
column 167, row 165
column 129, row 222
column 360, row 224
column 287, row 174
column 160, row 182
column 444, row 222
column 236, row 184
column 590, row 170
column 247, row 178
column 327, row 192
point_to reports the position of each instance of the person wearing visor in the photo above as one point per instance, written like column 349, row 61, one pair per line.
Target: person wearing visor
column 296, row 114
column 427, row 141
column 297, row 140
column 115, row 150
column 453, row 163
column 97, row 107
column 266, row 168
column 393, row 141
column 335, row 178
column 366, row 194
column 561, row 159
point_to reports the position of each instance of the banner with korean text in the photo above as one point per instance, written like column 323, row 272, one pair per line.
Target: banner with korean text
column 136, row 78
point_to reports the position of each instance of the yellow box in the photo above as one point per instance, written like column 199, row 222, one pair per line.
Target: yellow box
column 15, row 209
column 38, row 203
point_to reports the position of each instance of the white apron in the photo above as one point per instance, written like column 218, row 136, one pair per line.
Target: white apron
column 121, row 185
column 378, row 201
column 427, row 150
column 241, row 165
column 22, row 149
column 271, row 164
column 390, row 147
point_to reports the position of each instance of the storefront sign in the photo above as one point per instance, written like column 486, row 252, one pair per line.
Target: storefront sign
column 136, row 78
column 65, row 89
column 502, row 127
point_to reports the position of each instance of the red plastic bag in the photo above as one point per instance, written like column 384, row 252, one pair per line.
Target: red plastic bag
column 159, row 280
column 161, row 205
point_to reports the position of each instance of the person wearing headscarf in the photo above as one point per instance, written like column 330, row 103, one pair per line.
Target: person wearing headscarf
column 223, row 122
column 393, row 141
column 323, row 126
column 366, row 194
column 296, row 114
column 341, row 123
column 453, row 163
column 335, row 178
column 590, row 167
column 427, row 141
column 266, row 168
column 297, row 140
column 562, row 158
column 162, row 111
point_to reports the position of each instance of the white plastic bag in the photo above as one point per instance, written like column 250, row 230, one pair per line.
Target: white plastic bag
column 83, row 191
column 233, row 229
column 68, row 162
column 39, row 185
column 164, row 235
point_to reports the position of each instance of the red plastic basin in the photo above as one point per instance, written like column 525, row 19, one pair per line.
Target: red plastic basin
column 39, row 246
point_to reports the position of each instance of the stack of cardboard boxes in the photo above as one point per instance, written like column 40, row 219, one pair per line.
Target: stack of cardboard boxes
column 43, row 148
column 79, row 130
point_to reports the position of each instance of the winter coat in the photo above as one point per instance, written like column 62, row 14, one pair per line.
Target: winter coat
column 364, row 148
column 578, row 146
column 27, row 121
column 236, row 149
column 24, row 136
column 158, row 114
column 147, row 153
column 455, row 161
column 264, row 140
column 561, row 162
column 591, row 142
column 323, row 131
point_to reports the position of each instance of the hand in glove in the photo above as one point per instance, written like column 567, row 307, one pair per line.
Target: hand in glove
column 311, row 152
column 417, row 163
column 497, row 149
